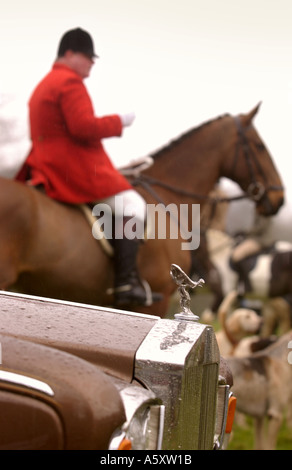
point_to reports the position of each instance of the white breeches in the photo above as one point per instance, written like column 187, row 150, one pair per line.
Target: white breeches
column 127, row 204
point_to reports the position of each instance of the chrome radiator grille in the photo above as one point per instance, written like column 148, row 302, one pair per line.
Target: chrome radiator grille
column 179, row 362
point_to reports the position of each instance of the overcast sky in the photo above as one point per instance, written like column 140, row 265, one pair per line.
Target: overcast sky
column 175, row 63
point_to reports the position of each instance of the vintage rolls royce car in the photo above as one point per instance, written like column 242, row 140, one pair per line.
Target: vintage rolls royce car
column 75, row 376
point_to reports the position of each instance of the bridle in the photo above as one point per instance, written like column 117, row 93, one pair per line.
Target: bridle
column 256, row 190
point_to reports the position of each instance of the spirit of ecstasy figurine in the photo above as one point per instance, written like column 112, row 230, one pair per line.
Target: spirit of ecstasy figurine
column 184, row 283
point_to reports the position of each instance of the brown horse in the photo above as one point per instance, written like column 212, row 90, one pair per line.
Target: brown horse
column 47, row 249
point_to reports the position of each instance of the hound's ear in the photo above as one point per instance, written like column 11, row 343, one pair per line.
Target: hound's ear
column 247, row 118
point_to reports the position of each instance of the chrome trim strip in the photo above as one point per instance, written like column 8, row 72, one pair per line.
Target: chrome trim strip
column 24, row 381
column 161, row 427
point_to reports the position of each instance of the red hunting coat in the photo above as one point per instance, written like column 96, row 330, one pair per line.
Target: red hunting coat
column 67, row 155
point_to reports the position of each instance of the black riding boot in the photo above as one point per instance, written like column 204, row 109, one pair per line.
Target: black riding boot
column 129, row 289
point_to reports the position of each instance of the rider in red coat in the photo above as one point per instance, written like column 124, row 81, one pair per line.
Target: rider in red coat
column 67, row 154
column 68, row 159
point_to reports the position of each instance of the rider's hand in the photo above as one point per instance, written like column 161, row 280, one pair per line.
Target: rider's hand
column 127, row 119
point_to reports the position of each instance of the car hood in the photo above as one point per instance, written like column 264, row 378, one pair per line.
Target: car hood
column 108, row 338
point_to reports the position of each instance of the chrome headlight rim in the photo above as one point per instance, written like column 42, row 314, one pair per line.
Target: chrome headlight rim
column 144, row 427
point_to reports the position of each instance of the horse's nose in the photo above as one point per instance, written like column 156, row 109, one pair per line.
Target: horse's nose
column 281, row 201
column 271, row 203
column 276, row 203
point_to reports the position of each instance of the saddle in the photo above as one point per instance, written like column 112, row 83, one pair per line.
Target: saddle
column 97, row 230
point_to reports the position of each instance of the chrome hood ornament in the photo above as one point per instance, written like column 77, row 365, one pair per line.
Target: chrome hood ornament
column 184, row 282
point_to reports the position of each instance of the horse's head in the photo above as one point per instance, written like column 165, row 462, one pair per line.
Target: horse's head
column 253, row 168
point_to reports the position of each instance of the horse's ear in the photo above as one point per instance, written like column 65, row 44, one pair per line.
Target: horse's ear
column 247, row 118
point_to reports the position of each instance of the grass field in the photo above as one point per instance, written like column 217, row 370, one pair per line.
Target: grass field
column 243, row 437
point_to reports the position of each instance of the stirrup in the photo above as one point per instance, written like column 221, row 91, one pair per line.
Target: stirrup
column 137, row 295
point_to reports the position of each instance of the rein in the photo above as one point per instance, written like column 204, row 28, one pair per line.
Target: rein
column 255, row 191
column 146, row 182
